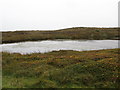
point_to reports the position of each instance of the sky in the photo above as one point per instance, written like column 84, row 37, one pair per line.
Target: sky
column 57, row 14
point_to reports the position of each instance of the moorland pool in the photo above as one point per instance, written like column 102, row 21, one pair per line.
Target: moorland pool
column 56, row 45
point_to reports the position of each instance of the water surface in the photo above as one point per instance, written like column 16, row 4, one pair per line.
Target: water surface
column 56, row 45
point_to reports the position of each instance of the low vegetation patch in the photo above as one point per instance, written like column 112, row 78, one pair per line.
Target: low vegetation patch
column 62, row 69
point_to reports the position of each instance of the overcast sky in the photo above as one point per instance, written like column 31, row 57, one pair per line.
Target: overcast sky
column 57, row 14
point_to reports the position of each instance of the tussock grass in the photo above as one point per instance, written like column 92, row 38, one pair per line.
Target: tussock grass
column 62, row 69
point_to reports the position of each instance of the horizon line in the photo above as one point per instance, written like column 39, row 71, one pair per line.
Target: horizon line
column 5, row 30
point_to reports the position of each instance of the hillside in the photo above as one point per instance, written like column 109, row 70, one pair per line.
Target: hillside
column 69, row 33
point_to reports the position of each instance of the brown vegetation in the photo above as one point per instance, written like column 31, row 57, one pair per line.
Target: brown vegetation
column 70, row 33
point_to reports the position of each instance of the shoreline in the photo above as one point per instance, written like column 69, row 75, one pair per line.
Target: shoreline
column 58, row 40
column 64, row 51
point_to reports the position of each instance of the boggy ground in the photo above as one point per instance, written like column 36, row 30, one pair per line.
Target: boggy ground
column 62, row 69
column 69, row 33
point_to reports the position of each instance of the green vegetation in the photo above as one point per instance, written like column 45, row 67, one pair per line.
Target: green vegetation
column 65, row 68
column 62, row 69
column 70, row 33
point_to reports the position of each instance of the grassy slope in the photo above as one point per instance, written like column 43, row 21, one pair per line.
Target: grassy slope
column 70, row 33
column 66, row 69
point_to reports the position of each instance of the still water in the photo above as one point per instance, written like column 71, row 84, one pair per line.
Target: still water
column 56, row 45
